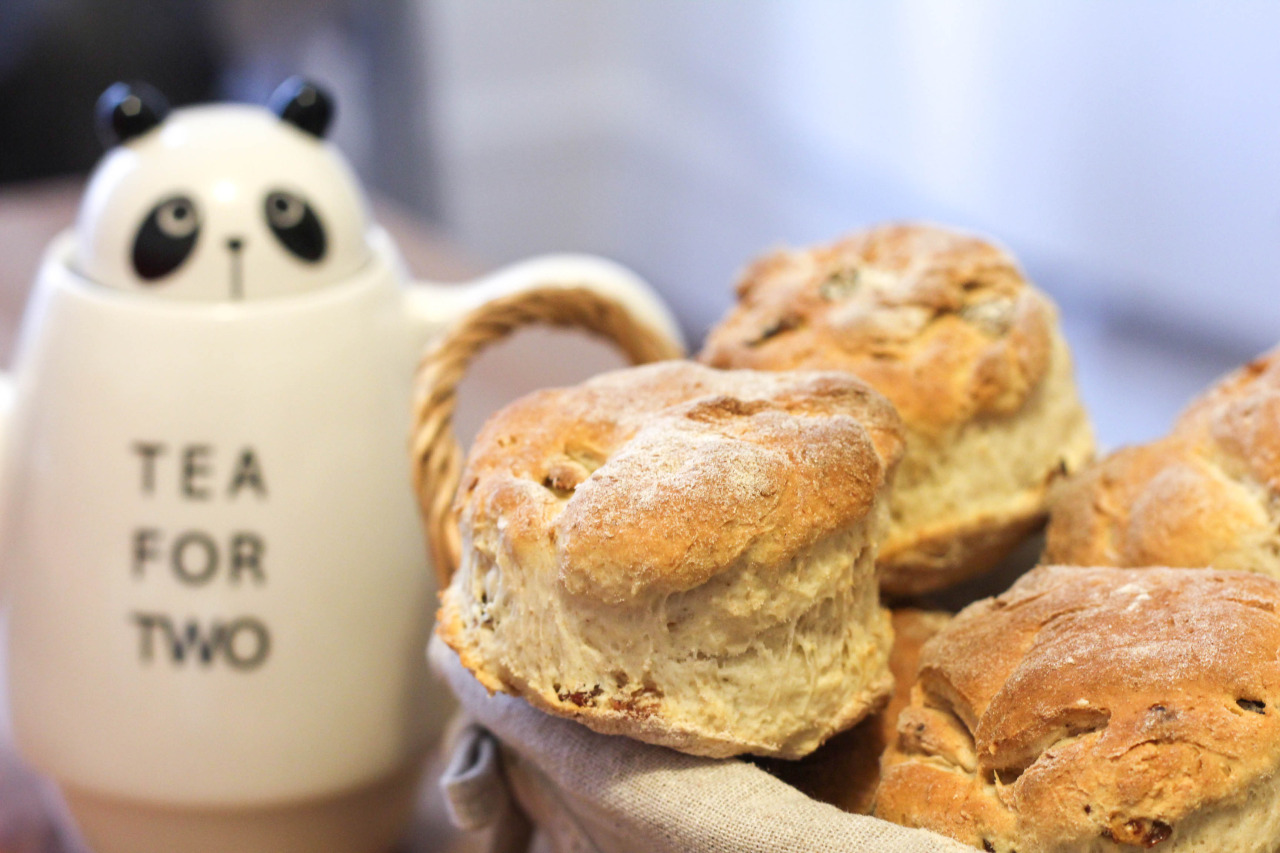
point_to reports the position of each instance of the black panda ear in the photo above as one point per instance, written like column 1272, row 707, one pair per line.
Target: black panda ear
column 303, row 104
column 127, row 110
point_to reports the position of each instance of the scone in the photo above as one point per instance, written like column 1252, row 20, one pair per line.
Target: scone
column 1208, row 494
column 682, row 555
column 946, row 326
column 1099, row 709
column 845, row 770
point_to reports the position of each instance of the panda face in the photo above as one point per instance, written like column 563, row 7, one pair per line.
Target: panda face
column 222, row 203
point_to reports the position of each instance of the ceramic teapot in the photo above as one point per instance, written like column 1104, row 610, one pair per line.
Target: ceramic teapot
column 215, row 574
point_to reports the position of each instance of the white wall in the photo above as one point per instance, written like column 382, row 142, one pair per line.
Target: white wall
column 1126, row 152
column 1130, row 144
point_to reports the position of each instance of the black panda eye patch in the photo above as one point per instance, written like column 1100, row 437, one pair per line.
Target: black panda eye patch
column 166, row 237
column 295, row 225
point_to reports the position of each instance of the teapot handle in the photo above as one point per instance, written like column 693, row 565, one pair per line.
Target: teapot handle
column 435, row 307
column 584, row 293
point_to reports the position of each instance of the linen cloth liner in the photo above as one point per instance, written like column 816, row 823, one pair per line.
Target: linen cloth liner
column 594, row 793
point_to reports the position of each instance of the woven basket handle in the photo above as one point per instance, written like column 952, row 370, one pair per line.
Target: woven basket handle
column 437, row 456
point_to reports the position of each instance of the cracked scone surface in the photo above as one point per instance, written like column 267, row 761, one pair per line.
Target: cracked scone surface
column 946, row 326
column 1207, row 494
column 1098, row 709
column 682, row 555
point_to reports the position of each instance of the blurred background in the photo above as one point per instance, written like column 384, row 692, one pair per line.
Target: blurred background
column 1125, row 152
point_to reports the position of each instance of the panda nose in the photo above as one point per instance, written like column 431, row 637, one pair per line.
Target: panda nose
column 235, row 244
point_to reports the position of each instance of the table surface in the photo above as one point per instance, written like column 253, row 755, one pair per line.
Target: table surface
column 30, row 215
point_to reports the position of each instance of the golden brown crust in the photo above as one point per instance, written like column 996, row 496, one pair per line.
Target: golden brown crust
column 1201, row 496
column 642, row 551
column 656, row 479
column 945, row 325
column 1090, row 704
column 942, row 323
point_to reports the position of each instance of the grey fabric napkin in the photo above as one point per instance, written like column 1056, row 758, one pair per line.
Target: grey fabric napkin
column 593, row 793
column 27, row 808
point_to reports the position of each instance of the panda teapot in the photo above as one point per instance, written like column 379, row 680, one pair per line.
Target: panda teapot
column 210, row 551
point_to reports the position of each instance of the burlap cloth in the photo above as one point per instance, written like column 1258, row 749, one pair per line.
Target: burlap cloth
column 593, row 793
column 27, row 807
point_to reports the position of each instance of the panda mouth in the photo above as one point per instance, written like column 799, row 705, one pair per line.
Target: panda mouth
column 234, row 246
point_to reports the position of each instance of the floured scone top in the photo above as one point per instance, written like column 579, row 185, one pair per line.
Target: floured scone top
column 946, row 327
column 1098, row 709
column 681, row 554
column 1208, row 494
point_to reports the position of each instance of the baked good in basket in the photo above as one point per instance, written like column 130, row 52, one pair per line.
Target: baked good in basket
column 1207, row 494
column 945, row 325
column 682, row 555
column 1100, row 709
